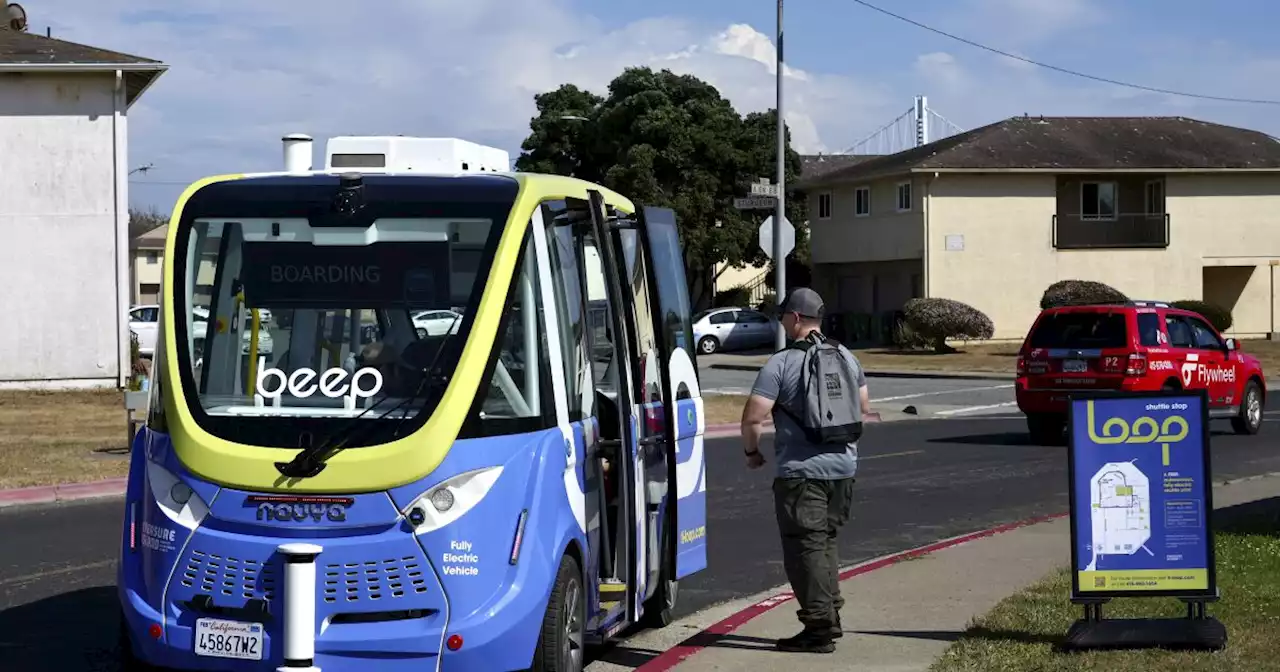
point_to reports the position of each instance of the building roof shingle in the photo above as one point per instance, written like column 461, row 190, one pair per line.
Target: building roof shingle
column 1078, row 143
column 21, row 51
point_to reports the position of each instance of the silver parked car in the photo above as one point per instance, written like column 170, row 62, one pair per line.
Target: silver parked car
column 732, row 329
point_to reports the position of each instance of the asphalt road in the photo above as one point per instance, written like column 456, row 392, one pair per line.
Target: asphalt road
column 919, row 481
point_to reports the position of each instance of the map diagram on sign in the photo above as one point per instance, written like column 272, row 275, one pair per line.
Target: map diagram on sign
column 1120, row 511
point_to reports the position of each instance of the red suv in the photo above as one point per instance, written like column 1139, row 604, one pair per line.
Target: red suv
column 1138, row 346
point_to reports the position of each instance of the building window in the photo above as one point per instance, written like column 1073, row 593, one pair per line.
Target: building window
column 1155, row 197
column 862, row 201
column 152, row 258
column 904, row 197
column 1098, row 200
column 824, row 205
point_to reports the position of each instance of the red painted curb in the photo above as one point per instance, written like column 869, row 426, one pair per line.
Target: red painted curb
column 43, row 494
column 699, row 641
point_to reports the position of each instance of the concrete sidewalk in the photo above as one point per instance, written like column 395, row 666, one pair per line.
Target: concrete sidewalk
column 903, row 616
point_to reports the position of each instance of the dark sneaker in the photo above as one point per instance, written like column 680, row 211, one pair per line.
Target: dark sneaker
column 808, row 641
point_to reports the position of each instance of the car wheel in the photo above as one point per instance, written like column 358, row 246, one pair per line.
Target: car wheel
column 708, row 345
column 1045, row 428
column 422, row 333
column 1249, row 420
column 561, row 644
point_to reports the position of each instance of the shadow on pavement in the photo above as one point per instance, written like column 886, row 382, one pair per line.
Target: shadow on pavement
column 990, row 439
column 74, row 631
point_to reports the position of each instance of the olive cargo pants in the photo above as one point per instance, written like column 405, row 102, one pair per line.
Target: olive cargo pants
column 810, row 514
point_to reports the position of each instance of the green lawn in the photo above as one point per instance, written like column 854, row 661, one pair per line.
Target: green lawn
column 1024, row 630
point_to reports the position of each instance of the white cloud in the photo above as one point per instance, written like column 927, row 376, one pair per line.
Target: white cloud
column 243, row 73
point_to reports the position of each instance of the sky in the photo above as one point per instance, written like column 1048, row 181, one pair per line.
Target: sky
column 243, row 73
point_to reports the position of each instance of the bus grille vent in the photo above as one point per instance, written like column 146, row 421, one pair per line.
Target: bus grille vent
column 225, row 575
column 373, row 580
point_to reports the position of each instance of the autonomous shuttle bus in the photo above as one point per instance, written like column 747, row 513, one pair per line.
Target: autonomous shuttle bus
column 372, row 494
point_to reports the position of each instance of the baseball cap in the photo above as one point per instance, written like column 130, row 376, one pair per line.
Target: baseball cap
column 804, row 301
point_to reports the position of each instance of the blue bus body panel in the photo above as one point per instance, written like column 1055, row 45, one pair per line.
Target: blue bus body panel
column 691, row 490
column 458, row 579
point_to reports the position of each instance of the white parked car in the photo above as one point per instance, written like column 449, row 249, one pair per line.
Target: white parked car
column 144, row 321
column 436, row 322
column 732, row 329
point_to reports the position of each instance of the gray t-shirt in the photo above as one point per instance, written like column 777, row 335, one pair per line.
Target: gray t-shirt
column 779, row 380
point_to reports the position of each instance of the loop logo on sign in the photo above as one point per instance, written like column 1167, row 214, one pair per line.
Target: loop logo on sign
column 333, row 383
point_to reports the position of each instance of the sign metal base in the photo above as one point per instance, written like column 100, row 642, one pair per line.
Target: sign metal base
column 1197, row 630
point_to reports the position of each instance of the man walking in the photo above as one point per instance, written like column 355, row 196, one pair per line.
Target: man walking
column 809, row 389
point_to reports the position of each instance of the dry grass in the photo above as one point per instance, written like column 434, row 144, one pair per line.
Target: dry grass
column 1023, row 631
column 61, row 437
column 723, row 408
column 999, row 358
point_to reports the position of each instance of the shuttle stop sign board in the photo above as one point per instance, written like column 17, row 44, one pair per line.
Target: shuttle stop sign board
column 788, row 237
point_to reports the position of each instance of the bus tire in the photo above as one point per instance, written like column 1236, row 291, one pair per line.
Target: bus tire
column 563, row 637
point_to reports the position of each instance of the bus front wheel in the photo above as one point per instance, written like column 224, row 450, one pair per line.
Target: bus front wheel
column 561, row 643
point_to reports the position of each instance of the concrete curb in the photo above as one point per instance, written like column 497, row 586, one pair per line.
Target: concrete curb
column 918, row 375
column 65, row 492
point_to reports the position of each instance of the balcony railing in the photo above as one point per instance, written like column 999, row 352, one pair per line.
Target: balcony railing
column 1076, row 232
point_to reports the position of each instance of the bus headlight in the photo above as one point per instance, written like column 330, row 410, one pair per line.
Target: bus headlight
column 450, row 500
column 176, row 499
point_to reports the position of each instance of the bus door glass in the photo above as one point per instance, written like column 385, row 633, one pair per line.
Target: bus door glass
column 682, row 397
column 590, row 355
column 651, row 462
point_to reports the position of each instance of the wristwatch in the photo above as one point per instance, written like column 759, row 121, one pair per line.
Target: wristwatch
column 749, row 453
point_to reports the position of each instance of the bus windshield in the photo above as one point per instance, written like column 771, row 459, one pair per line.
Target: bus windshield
column 350, row 323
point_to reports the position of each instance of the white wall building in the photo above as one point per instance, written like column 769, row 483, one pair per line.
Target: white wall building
column 64, row 216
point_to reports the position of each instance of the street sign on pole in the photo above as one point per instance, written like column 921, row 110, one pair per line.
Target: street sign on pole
column 788, row 237
column 755, row 203
column 764, row 190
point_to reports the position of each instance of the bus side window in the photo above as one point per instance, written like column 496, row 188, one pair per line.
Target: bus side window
column 600, row 336
column 517, row 396
column 636, row 283
column 571, row 310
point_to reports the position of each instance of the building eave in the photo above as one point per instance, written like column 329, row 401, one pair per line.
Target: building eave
column 150, row 71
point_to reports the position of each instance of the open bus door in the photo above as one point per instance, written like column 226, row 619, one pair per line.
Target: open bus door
column 681, row 395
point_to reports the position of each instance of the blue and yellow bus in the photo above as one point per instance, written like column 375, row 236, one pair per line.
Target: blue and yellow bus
column 474, row 443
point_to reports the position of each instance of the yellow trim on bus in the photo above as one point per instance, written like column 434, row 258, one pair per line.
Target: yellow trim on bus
column 374, row 468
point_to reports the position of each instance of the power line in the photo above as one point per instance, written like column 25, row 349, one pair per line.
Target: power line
column 1073, row 73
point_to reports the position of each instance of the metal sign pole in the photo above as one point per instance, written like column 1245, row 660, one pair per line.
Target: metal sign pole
column 779, row 259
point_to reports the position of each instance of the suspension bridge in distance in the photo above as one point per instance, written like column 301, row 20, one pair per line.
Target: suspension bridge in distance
column 918, row 125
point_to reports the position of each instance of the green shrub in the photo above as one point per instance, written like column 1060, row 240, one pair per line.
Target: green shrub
column 1218, row 316
column 732, row 297
column 906, row 338
column 1080, row 292
column 936, row 320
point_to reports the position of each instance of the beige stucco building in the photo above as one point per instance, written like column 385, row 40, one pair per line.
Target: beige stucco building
column 1160, row 208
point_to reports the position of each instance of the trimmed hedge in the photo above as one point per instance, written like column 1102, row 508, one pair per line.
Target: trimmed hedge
column 1080, row 292
column 1218, row 316
column 936, row 320
column 732, row 297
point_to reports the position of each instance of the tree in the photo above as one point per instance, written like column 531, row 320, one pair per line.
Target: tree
column 142, row 221
column 672, row 141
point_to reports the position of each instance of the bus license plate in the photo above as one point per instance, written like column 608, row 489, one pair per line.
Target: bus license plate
column 1074, row 366
column 228, row 639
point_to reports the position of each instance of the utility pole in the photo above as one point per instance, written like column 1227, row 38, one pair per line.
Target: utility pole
column 779, row 257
